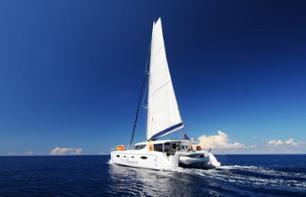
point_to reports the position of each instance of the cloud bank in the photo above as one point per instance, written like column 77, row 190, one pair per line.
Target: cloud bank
column 289, row 142
column 221, row 143
column 289, row 146
column 66, row 151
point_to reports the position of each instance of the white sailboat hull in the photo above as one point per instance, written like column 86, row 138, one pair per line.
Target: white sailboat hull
column 198, row 159
column 145, row 159
column 164, row 155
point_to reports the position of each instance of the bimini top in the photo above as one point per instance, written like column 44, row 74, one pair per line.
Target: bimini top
column 163, row 112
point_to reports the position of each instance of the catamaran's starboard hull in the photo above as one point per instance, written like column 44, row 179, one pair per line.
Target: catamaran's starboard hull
column 198, row 160
column 202, row 163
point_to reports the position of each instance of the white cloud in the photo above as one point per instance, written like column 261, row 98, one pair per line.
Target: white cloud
column 289, row 146
column 66, row 151
column 219, row 141
column 289, row 142
column 275, row 143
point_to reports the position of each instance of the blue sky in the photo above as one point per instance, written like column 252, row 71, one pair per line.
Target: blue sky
column 70, row 71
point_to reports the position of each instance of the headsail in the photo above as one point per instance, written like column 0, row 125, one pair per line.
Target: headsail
column 163, row 113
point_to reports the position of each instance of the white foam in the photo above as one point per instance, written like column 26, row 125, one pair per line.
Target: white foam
column 110, row 162
column 274, row 179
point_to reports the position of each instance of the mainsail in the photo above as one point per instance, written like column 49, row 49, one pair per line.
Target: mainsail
column 163, row 113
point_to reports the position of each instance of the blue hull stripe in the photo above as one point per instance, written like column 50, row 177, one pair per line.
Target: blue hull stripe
column 163, row 132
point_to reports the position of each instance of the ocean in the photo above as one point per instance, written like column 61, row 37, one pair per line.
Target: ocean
column 240, row 175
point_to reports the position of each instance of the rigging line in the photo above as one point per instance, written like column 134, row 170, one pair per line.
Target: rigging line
column 144, row 103
column 141, row 95
column 138, row 108
column 147, row 73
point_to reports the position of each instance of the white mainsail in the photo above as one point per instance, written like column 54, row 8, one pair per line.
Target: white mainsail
column 163, row 113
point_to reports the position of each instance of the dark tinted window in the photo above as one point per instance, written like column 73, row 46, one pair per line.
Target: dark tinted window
column 158, row 147
column 174, row 146
column 138, row 147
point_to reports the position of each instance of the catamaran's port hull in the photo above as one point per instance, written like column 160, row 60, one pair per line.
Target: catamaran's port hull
column 144, row 159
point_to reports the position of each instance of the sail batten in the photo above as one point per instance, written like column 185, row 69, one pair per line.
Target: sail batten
column 163, row 113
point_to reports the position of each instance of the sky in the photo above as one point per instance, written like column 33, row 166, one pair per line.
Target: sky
column 71, row 71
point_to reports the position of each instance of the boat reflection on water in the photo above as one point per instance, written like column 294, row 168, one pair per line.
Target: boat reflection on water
column 145, row 182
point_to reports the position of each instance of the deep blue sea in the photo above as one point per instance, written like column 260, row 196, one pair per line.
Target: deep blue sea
column 241, row 175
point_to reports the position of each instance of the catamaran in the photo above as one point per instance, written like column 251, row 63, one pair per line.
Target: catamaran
column 163, row 118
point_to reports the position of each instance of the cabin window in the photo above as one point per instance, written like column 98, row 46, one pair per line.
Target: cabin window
column 167, row 147
column 184, row 147
column 173, row 146
column 139, row 147
column 158, row 147
column 143, row 157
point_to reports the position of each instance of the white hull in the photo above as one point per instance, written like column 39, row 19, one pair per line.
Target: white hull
column 164, row 155
column 198, row 159
column 145, row 159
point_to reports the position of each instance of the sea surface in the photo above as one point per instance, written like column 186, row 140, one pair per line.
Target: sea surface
column 241, row 175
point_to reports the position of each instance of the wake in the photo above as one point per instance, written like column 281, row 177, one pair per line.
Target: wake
column 252, row 176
